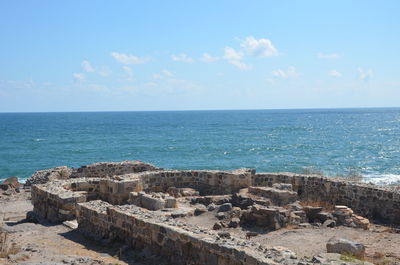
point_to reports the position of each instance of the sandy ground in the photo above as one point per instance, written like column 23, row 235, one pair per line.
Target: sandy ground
column 382, row 243
column 57, row 244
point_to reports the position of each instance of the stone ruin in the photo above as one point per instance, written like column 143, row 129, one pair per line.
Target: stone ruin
column 145, row 207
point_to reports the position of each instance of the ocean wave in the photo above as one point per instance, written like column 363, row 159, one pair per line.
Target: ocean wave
column 382, row 179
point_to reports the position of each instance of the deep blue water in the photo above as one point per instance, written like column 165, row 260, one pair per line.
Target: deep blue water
column 334, row 141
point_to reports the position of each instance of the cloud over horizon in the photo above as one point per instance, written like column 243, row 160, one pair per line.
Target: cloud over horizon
column 182, row 57
column 291, row 72
column 129, row 58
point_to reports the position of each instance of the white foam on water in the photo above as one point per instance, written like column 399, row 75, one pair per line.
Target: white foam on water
column 382, row 179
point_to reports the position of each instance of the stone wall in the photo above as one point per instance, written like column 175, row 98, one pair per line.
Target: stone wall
column 109, row 169
column 178, row 242
column 56, row 201
column 370, row 201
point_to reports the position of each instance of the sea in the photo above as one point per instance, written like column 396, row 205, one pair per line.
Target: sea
column 331, row 141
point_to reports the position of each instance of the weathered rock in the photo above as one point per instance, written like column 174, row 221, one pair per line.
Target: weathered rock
column 12, row 182
column 151, row 203
column 361, row 222
column 220, row 216
column 234, row 222
column 225, row 207
column 217, row 226
column 278, row 197
column 268, row 217
column 224, row 234
column 329, row 223
column 345, row 246
column 323, row 216
column 211, row 207
column 200, row 209
column 311, row 212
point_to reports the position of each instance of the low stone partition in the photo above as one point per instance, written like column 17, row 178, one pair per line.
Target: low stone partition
column 178, row 242
column 56, row 201
column 374, row 202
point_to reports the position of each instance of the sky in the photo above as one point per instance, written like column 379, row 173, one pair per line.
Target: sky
column 198, row 55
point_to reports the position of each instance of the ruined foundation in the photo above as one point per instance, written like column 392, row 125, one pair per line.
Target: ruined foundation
column 142, row 205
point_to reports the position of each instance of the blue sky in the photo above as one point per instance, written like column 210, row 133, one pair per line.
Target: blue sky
column 178, row 55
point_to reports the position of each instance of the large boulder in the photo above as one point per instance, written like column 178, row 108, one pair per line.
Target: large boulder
column 345, row 246
column 12, row 182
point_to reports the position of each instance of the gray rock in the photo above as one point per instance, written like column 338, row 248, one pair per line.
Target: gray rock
column 234, row 222
column 329, row 223
column 225, row 207
column 220, row 216
column 312, row 212
column 217, row 226
column 224, row 234
column 200, row 209
column 345, row 246
column 211, row 207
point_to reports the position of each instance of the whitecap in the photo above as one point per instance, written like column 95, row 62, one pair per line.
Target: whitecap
column 382, row 179
column 38, row 139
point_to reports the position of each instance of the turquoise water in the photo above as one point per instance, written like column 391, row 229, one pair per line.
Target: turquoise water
column 334, row 141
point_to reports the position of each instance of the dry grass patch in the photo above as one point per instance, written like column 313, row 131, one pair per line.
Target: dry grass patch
column 6, row 248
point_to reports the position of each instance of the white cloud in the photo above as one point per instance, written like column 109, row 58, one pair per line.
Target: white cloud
column 87, row 67
column 181, row 58
column 78, row 77
column 364, row 75
column 334, row 73
column 291, row 72
column 129, row 58
column 328, row 56
column 259, row 48
column 208, row 58
column 234, row 57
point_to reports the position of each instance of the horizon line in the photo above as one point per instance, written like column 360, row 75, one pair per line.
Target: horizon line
column 182, row 110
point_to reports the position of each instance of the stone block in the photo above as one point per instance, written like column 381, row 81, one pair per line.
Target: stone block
column 151, row 203
column 345, row 246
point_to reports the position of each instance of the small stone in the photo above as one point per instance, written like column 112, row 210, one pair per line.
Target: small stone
column 217, row 226
column 224, row 234
column 329, row 223
column 225, row 207
column 200, row 209
column 211, row 207
column 234, row 222
column 220, row 216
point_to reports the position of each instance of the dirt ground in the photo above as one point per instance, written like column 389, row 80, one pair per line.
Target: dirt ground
column 382, row 243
